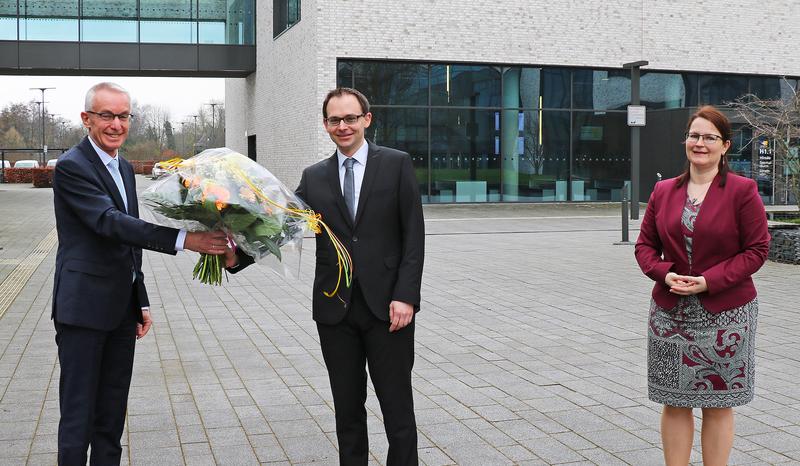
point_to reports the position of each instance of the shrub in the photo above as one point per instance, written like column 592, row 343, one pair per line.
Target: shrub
column 19, row 175
column 43, row 177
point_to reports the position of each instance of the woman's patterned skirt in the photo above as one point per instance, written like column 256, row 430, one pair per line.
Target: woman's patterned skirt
column 697, row 359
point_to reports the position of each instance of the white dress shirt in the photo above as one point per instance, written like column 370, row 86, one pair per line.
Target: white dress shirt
column 359, row 167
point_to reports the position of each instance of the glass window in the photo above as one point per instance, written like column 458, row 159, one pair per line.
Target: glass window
column 99, row 23
column 285, row 14
column 465, row 85
column 662, row 90
column 392, row 83
column 740, row 158
column 404, row 129
column 344, row 74
column 8, row 28
column 600, row 89
column 789, row 88
column 226, row 22
column 540, row 141
column 765, row 88
column 168, row 21
column 465, row 155
column 556, row 88
column 48, row 20
column 537, row 87
column 720, row 89
column 8, row 20
column 601, row 156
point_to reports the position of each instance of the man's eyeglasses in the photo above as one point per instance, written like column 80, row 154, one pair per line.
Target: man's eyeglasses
column 707, row 138
column 347, row 119
column 108, row 116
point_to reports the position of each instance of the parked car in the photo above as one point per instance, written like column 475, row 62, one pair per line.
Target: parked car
column 26, row 164
column 52, row 162
column 6, row 164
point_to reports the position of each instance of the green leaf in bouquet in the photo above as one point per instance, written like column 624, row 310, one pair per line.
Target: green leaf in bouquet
column 273, row 248
column 237, row 220
column 266, row 227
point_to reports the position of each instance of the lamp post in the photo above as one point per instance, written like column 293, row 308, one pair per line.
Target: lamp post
column 213, row 117
column 194, row 143
column 44, row 146
column 635, row 73
column 183, row 137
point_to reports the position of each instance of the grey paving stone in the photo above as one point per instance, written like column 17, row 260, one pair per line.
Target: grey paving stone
column 510, row 360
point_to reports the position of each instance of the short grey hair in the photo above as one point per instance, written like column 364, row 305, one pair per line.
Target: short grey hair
column 99, row 87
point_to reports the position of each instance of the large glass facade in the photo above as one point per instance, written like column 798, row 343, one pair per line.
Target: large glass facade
column 228, row 22
column 494, row 133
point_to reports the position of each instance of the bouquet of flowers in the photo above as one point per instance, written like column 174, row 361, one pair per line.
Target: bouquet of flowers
column 220, row 189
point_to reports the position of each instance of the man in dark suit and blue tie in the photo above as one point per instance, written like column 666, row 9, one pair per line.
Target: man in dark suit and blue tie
column 100, row 304
column 369, row 196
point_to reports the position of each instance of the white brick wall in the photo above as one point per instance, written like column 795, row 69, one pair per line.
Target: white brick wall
column 296, row 70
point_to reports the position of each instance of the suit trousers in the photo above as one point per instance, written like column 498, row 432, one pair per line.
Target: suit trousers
column 96, row 369
column 361, row 338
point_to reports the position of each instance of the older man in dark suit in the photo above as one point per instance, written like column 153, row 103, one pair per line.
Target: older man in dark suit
column 100, row 304
column 369, row 197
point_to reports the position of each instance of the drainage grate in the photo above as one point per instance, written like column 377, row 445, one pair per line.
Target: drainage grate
column 18, row 277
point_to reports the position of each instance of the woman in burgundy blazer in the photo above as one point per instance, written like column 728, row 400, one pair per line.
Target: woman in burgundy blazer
column 703, row 235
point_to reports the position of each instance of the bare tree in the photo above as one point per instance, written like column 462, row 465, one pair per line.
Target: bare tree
column 777, row 120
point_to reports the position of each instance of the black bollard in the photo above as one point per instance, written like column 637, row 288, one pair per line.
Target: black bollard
column 625, row 226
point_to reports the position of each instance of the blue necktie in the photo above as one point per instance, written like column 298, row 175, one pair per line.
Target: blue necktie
column 113, row 166
column 350, row 187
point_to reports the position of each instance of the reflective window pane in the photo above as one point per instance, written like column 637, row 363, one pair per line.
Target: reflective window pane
column 169, row 32
column 226, row 21
column 720, row 89
column 556, row 87
column 109, row 30
column 8, row 19
column 540, row 141
column 662, row 90
column 168, row 21
column 537, row 87
column 465, row 85
column 601, row 156
column 740, row 158
column 765, row 88
column 392, row 83
column 601, row 89
column 789, row 88
column 49, row 20
column 102, row 22
column 8, row 8
column 8, row 28
column 344, row 74
column 465, row 155
column 285, row 14
column 404, row 129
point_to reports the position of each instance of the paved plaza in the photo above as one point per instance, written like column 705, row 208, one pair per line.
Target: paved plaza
column 530, row 350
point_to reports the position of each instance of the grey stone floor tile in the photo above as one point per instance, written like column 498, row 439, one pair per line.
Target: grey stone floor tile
column 528, row 363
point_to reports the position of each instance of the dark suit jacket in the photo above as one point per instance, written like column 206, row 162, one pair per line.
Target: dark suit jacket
column 99, row 245
column 386, row 241
column 730, row 241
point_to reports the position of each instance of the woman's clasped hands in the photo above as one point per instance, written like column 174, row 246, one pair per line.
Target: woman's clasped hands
column 685, row 285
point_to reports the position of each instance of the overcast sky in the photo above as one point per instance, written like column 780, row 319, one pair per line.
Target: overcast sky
column 181, row 96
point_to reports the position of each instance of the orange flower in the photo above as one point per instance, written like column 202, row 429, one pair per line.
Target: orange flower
column 218, row 194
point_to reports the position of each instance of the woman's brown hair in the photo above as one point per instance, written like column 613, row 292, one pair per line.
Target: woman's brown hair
column 723, row 125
